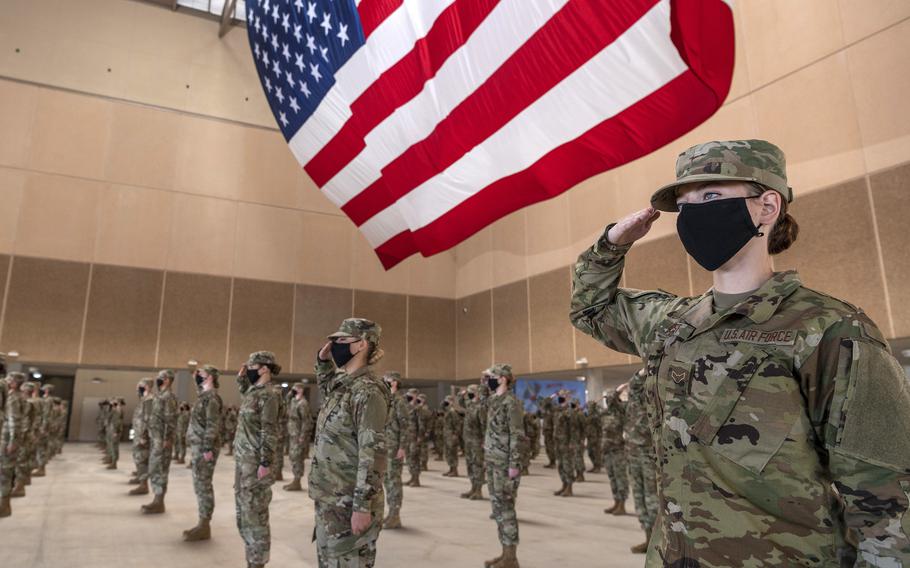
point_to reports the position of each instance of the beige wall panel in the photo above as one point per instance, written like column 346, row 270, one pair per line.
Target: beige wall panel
column 266, row 242
column 44, row 309
column 880, row 73
column 659, row 264
column 121, row 326
column 474, row 334
column 548, row 235
column 202, row 235
column 368, row 273
column 4, row 272
column 113, row 383
column 211, row 157
column 221, row 93
column 474, row 264
column 835, row 252
column 156, row 79
column 892, row 209
column 142, row 150
column 596, row 353
column 593, row 204
column 133, row 224
column 510, row 254
column 318, row 312
column 271, row 173
column 58, row 217
column 861, row 18
column 431, row 338
column 70, row 134
column 390, row 311
column 812, row 117
column 782, row 36
column 325, row 245
column 12, row 187
column 511, row 334
column 83, row 64
column 433, row 276
column 741, row 84
column 23, row 54
column 552, row 344
column 194, row 320
column 17, row 113
column 261, row 320
column 311, row 198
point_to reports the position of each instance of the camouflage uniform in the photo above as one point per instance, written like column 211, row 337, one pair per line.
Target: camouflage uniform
column 532, row 427
column 549, row 431
column 114, row 431
column 595, row 437
column 25, row 455
column 101, row 422
column 614, row 447
column 418, row 433
column 183, row 421
column 12, row 433
column 203, row 436
column 278, row 463
column 452, row 424
column 578, row 423
column 162, row 429
column 565, row 441
column 433, row 426
column 475, row 425
column 436, row 421
column 774, row 419
column 349, row 458
column 642, row 459
column 42, row 430
column 141, row 440
column 299, row 424
column 502, row 446
column 397, row 434
column 230, row 429
column 255, row 444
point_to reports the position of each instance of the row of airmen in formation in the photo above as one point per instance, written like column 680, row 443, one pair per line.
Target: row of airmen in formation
column 489, row 431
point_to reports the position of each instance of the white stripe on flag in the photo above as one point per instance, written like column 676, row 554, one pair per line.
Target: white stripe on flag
column 462, row 73
column 638, row 63
column 393, row 39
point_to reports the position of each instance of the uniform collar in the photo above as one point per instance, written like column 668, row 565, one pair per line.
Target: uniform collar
column 342, row 378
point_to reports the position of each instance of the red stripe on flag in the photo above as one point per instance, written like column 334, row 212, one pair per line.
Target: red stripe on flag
column 399, row 84
column 637, row 131
column 520, row 81
column 374, row 12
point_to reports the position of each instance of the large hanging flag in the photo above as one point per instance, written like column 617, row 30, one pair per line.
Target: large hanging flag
column 427, row 120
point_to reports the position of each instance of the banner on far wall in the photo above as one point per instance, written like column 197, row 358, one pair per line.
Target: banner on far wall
column 530, row 391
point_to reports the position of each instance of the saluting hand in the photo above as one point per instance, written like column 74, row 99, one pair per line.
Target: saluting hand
column 633, row 227
column 326, row 352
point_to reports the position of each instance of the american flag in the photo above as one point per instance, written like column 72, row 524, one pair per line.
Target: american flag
column 427, row 120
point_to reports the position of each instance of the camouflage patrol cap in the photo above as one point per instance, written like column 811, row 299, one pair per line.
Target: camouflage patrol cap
column 499, row 370
column 755, row 161
column 392, row 376
column 48, row 388
column 413, row 391
column 262, row 358
column 15, row 377
column 166, row 373
column 359, row 328
column 211, row 370
column 28, row 386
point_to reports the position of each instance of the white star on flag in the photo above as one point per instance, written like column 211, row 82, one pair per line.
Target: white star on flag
column 326, row 22
column 268, row 84
column 285, row 23
column 275, row 13
column 314, row 71
column 285, row 52
column 294, row 105
column 311, row 12
column 343, row 34
column 324, row 52
column 297, row 34
column 290, row 78
column 304, row 89
column 279, row 95
column 284, row 119
column 298, row 61
column 311, row 44
column 275, row 42
column 299, row 5
column 276, row 68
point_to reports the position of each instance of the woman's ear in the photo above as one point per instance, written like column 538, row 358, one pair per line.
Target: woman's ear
column 770, row 202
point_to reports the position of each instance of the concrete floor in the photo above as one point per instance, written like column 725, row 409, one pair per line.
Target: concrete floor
column 80, row 516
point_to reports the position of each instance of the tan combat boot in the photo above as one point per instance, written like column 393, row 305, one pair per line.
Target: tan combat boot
column 620, row 509
column 133, row 481
column 5, row 509
column 469, row 493
column 478, row 494
column 156, row 507
column 278, row 475
column 609, row 510
column 39, row 472
column 18, row 490
column 509, row 558
column 561, row 490
column 492, row 562
column 141, row 489
column 393, row 521
column 106, row 459
column 112, row 465
column 202, row 531
column 568, row 491
column 643, row 547
column 415, row 481
column 294, row 485
column 580, row 477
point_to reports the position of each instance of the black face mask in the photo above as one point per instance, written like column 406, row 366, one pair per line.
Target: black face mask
column 471, row 395
column 492, row 383
column 252, row 375
column 199, row 380
column 561, row 400
column 445, row 404
column 715, row 231
column 141, row 391
column 573, row 405
column 410, row 398
column 159, row 382
column 341, row 353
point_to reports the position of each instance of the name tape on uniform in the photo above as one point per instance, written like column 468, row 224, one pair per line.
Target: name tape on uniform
column 759, row 337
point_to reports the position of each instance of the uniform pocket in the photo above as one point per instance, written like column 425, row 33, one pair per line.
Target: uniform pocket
column 752, row 411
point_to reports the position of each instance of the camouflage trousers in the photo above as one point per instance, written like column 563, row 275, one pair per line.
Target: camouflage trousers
column 473, row 457
column 617, row 465
column 141, row 459
column 549, row 446
column 25, row 457
column 565, row 460
column 278, row 462
column 414, row 459
column 251, row 502
column 159, row 465
column 579, row 460
column 535, row 446
column 596, row 452
column 643, row 470
column 451, row 449
column 336, row 546
column 180, row 447
column 42, row 449
column 503, row 493
column 202, row 481
column 393, row 491
column 7, row 471
column 113, row 445
column 297, row 456
column 424, row 454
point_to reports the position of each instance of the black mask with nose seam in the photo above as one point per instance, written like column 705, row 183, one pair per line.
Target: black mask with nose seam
column 714, row 232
